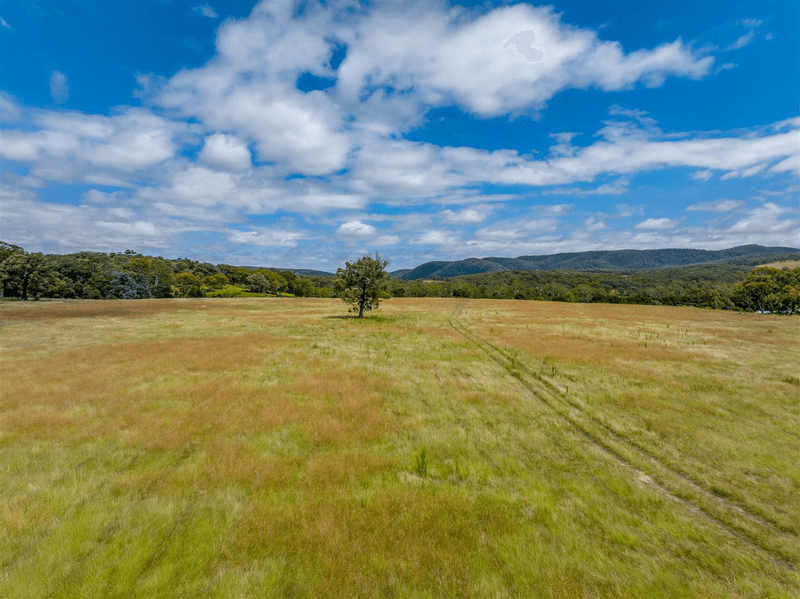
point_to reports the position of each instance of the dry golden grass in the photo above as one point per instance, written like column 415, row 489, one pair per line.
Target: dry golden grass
column 268, row 448
column 710, row 390
column 790, row 264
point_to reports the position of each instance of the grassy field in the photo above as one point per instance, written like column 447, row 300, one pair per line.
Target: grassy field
column 783, row 264
column 438, row 448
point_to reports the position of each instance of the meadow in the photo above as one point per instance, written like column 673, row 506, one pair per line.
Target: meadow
column 271, row 447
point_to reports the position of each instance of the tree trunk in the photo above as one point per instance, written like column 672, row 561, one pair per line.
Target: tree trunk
column 24, row 290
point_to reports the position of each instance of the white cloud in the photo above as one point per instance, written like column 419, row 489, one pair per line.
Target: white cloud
column 540, row 224
column 464, row 217
column 226, row 151
column 409, row 170
column 554, row 209
column 745, row 172
column 704, row 175
column 72, row 146
column 59, row 90
column 248, row 89
column 356, row 229
column 626, row 149
column 5, row 25
column 625, row 211
column 265, row 237
column 436, row 237
column 751, row 23
column 502, row 230
column 767, row 219
column 205, row 10
column 405, row 169
column 657, row 224
column 742, row 41
column 357, row 232
column 517, row 229
column 440, row 57
column 618, row 187
column 52, row 227
column 725, row 67
column 720, row 205
column 593, row 225
column 9, row 110
column 385, row 240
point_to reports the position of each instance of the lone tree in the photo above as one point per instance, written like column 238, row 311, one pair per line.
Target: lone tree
column 363, row 284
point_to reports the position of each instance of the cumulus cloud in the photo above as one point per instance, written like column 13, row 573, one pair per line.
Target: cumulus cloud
column 357, row 232
column 248, row 89
column 225, row 151
column 59, row 90
column 356, row 229
column 52, row 227
column 440, row 57
column 73, row 146
column 593, row 225
column 767, row 219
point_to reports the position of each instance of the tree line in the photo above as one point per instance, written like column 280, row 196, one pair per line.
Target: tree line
column 130, row 275
column 719, row 286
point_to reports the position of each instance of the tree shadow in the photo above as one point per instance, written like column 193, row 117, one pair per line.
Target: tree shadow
column 365, row 318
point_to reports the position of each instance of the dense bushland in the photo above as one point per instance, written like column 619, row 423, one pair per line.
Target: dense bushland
column 129, row 275
column 720, row 286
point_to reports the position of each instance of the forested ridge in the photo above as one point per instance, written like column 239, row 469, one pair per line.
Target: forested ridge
column 731, row 283
column 624, row 260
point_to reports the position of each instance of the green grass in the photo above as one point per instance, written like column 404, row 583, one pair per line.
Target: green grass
column 253, row 448
column 230, row 291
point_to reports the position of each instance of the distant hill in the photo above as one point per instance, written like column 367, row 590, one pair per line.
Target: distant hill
column 629, row 260
column 306, row 272
column 398, row 274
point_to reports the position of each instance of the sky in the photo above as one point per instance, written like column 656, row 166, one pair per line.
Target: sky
column 304, row 134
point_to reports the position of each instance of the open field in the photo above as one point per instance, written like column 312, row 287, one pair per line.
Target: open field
column 438, row 448
column 783, row 264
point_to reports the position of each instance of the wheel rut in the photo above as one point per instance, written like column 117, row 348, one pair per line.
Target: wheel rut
column 778, row 545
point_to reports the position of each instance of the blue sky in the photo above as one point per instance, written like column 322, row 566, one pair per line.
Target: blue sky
column 304, row 134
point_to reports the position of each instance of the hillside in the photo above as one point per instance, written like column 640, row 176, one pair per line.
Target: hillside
column 629, row 260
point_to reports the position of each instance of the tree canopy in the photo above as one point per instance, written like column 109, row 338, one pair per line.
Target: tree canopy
column 363, row 284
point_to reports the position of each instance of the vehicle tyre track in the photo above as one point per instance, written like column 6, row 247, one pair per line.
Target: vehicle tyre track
column 780, row 546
